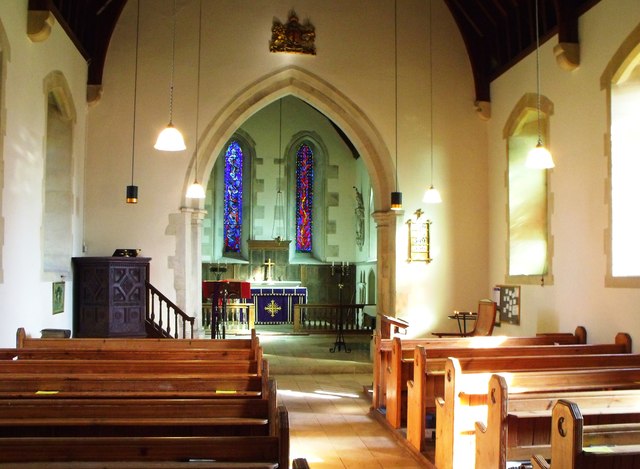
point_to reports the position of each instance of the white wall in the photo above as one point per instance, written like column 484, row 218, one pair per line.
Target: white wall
column 25, row 293
column 577, row 185
column 355, row 56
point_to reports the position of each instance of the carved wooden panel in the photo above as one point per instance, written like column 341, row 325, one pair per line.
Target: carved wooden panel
column 110, row 296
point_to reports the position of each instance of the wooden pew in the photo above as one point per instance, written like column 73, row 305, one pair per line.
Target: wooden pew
column 38, row 452
column 428, row 374
column 575, row 446
column 58, row 353
column 67, row 390
column 22, row 341
column 128, row 385
column 146, row 366
column 517, row 424
column 60, row 416
column 465, row 401
column 395, row 370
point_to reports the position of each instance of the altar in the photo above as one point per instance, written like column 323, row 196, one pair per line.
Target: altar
column 274, row 301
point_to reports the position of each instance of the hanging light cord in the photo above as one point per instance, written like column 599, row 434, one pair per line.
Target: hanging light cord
column 431, row 86
column 135, row 96
column 280, row 157
column 173, row 64
column 538, row 73
column 198, row 88
column 395, row 32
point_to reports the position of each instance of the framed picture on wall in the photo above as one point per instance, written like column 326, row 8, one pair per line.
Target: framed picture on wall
column 508, row 299
column 58, row 297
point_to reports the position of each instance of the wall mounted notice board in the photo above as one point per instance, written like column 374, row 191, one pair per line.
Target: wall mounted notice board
column 508, row 299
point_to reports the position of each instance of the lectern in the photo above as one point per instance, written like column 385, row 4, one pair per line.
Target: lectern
column 220, row 291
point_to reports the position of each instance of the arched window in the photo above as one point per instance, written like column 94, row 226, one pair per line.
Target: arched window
column 621, row 79
column 304, row 198
column 233, row 165
column 529, row 240
column 57, row 223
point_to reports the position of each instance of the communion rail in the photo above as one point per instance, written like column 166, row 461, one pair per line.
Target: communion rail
column 325, row 318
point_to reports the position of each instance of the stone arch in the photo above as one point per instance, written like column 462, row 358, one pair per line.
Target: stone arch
column 344, row 113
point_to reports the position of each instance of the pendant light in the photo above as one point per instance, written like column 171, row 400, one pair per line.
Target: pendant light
column 431, row 195
column 396, row 196
column 278, row 210
column 195, row 190
column 539, row 157
column 132, row 190
column 170, row 139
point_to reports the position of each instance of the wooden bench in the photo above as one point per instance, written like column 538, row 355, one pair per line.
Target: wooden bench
column 465, row 400
column 146, row 366
column 58, row 353
column 384, row 348
column 393, row 364
column 138, row 417
column 131, row 385
column 428, row 375
column 575, row 446
column 23, row 341
column 270, row 451
column 517, row 424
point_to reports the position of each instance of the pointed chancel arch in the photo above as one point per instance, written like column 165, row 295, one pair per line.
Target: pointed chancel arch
column 345, row 114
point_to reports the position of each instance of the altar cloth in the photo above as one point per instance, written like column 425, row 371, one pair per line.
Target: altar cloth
column 274, row 305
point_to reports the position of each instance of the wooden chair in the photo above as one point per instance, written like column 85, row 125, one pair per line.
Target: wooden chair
column 485, row 320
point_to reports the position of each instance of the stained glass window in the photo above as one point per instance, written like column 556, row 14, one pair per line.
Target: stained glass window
column 233, row 197
column 304, row 198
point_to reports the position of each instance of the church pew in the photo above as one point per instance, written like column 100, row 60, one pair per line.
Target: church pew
column 465, row 398
column 384, row 348
column 23, row 341
column 575, row 446
column 399, row 367
column 131, row 385
column 173, row 367
column 428, row 375
column 244, row 450
column 517, row 423
column 58, row 353
column 138, row 417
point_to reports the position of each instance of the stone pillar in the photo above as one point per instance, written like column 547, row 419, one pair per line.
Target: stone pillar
column 386, row 231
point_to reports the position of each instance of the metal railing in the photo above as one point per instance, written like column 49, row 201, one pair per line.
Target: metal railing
column 326, row 318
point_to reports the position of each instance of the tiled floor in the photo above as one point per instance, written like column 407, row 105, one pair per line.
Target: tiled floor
column 328, row 408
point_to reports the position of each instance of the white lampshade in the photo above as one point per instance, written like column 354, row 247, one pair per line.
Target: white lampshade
column 539, row 158
column 195, row 191
column 432, row 196
column 170, row 139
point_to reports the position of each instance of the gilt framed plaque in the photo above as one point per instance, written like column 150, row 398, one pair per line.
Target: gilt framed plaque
column 419, row 239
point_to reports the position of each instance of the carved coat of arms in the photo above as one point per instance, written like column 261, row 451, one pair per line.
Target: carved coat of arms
column 293, row 37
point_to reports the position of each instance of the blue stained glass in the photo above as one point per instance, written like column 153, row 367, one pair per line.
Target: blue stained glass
column 233, row 197
column 304, row 198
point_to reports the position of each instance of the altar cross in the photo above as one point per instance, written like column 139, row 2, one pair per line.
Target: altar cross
column 268, row 264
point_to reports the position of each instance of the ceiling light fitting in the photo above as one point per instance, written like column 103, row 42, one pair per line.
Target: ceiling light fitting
column 431, row 195
column 396, row 196
column 539, row 157
column 195, row 190
column 170, row 139
column 132, row 190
